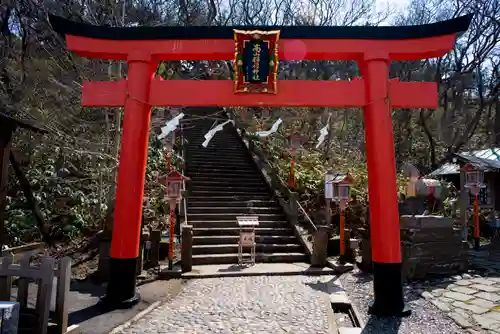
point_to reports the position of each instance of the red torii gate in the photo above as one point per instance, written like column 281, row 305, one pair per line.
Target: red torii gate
column 372, row 47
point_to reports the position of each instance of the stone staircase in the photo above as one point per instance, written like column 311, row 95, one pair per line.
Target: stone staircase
column 224, row 184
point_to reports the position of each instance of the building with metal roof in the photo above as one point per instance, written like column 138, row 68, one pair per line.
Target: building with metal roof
column 487, row 159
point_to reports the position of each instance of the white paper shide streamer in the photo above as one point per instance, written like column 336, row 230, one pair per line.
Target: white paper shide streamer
column 170, row 126
column 274, row 128
column 210, row 134
column 323, row 133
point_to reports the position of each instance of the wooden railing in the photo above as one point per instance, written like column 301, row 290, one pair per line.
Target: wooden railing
column 43, row 275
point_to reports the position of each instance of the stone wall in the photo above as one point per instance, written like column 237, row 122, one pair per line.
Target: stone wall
column 431, row 246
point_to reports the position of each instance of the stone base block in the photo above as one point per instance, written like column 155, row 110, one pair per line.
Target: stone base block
column 9, row 312
column 423, row 222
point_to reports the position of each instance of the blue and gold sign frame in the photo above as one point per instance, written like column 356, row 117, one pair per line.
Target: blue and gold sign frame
column 256, row 61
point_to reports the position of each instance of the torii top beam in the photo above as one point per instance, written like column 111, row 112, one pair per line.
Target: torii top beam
column 296, row 42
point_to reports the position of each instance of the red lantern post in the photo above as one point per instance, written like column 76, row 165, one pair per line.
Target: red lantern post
column 169, row 149
column 474, row 181
column 341, row 194
column 295, row 142
column 174, row 196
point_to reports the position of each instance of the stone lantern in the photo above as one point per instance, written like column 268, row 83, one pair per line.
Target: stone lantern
column 174, row 196
column 295, row 142
column 342, row 189
column 474, row 179
column 174, row 186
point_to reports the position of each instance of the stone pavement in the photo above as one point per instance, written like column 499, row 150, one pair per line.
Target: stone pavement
column 260, row 304
column 472, row 300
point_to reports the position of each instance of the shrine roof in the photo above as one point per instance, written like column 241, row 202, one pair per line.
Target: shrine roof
column 14, row 123
column 454, row 26
column 487, row 159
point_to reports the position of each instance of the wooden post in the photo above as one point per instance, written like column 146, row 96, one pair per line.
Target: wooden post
column 7, row 127
column 155, row 247
column 187, row 249
column 44, row 294
column 5, row 145
column 319, row 255
column 141, row 254
column 63, row 284
column 6, row 280
column 328, row 211
column 464, row 196
column 28, row 193
column 23, row 283
column 104, row 247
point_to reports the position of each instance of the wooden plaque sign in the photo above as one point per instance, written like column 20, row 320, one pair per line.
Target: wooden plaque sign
column 256, row 61
column 247, row 239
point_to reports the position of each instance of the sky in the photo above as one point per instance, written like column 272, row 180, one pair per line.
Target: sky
column 399, row 5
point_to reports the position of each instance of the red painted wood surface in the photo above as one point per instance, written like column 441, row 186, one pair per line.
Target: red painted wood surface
column 289, row 49
column 291, row 93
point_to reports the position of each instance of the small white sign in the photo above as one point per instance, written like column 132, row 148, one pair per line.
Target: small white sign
column 329, row 186
column 247, row 239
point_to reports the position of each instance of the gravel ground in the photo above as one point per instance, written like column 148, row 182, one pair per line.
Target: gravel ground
column 425, row 317
column 244, row 305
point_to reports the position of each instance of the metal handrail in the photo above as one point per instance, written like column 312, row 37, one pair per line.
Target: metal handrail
column 285, row 186
column 280, row 180
column 183, row 156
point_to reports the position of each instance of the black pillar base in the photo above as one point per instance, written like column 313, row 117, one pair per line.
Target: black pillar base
column 477, row 243
column 388, row 291
column 120, row 291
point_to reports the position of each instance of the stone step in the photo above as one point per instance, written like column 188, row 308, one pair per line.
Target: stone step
column 209, row 182
column 227, row 198
column 233, row 248
column 227, row 174
column 228, row 192
column 238, row 210
column 200, row 150
column 222, row 145
column 234, row 173
column 260, row 257
column 213, row 155
column 216, row 224
column 221, row 181
column 231, row 204
column 233, row 239
column 221, row 168
column 219, row 137
column 219, row 143
column 222, row 188
column 235, row 231
column 219, row 158
column 236, row 162
column 232, row 216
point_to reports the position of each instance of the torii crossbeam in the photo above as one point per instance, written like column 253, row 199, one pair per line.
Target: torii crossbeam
column 372, row 47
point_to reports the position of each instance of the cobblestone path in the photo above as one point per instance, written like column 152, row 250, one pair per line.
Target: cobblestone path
column 262, row 304
column 472, row 300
